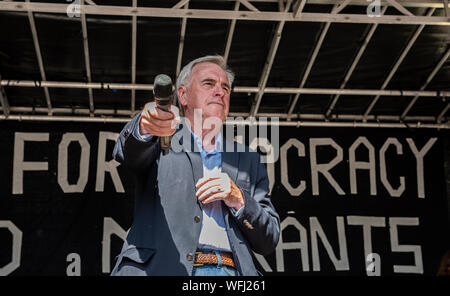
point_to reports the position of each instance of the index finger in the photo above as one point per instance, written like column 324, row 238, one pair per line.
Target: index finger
column 157, row 113
column 205, row 180
column 150, row 108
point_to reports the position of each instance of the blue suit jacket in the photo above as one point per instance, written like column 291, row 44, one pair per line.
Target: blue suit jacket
column 166, row 227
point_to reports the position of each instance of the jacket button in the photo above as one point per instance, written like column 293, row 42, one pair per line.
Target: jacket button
column 126, row 133
column 189, row 257
column 197, row 219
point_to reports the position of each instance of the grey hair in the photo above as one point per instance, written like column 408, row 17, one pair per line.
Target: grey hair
column 216, row 59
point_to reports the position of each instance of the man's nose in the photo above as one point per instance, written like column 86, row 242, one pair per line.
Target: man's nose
column 218, row 90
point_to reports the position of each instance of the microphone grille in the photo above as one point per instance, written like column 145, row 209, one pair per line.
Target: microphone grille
column 162, row 86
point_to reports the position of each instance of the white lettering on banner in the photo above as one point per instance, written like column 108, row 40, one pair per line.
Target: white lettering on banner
column 270, row 157
column 362, row 165
column 74, row 268
column 383, row 173
column 284, row 166
column 63, row 166
column 107, row 166
column 419, row 162
column 394, row 222
column 372, row 262
column 16, row 247
column 267, row 148
column 263, row 262
column 324, row 167
column 301, row 245
column 19, row 165
column 110, row 227
column 367, row 223
column 317, row 231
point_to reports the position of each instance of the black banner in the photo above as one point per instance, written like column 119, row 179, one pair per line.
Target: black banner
column 351, row 201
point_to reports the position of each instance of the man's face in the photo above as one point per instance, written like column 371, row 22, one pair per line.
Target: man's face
column 208, row 90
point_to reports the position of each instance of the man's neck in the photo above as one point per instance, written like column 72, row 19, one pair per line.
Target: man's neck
column 207, row 136
column 209, row 145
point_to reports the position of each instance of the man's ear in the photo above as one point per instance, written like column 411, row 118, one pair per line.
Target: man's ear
column 181, row 92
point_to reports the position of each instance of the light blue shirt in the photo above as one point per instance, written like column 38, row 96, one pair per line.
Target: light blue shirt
column 213, row 234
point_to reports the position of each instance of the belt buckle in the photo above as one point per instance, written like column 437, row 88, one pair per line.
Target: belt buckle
column 197, row 264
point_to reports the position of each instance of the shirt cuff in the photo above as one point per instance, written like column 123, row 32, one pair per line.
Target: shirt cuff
column 239, row 211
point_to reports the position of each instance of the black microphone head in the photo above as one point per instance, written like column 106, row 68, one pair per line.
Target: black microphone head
column 162, row 86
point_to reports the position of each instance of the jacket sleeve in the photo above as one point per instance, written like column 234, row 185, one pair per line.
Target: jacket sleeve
column 134, row 151
column 258, row 219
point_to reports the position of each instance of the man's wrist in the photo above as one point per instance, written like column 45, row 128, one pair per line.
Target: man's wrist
column 238, row 207
column 140, row 133
column 241, row 202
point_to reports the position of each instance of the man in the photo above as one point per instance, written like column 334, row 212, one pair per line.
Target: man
column 199, row 210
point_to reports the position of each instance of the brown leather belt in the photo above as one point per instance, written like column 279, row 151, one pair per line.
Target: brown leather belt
column 211, row 258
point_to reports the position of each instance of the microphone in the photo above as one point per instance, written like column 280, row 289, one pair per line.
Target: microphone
column 163, row 92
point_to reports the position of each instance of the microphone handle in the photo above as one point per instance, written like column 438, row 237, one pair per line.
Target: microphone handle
column 165, row 144
column 164, row 141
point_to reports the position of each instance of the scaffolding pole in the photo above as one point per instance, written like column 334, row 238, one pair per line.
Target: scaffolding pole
column 236, row 89
column 297, row 124
column 252, row 15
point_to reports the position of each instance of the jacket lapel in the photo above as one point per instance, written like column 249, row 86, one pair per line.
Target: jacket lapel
column 230, row 161
column 197, row 165
column 184, row 138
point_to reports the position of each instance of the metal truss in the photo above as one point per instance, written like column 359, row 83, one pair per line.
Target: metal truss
column 270, row 58
column 302, row 121
column 306, row 119
column 432, row 95
column 4, row 101
column 39, row 57
column 429, row 78
column 398, row 62
column 87, row 61
column 236, row 89
column 354, row 63
column 230, row 34
column 251, row 15
column 312, row 59
column 244, row 10
column 133, row 57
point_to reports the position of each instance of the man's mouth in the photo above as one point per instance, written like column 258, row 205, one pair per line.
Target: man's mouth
column 216, row 103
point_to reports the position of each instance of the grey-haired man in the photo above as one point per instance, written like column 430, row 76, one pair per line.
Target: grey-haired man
column 202, row 209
